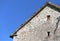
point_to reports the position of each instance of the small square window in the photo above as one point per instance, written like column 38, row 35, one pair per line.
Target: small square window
column 48, row 33
column 48, row 17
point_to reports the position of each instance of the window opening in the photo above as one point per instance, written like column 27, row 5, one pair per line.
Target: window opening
column 48, row 34
column 48, row 17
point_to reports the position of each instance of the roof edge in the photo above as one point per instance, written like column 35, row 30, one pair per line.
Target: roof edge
column 46, row 4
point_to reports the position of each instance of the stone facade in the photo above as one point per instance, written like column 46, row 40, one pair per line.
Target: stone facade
column 45, row 26
column 37, row 29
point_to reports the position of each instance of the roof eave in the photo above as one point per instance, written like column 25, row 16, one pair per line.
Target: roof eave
column 47, row 3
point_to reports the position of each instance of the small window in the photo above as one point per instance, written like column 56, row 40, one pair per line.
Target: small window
column 48, row 34
column 48, row 17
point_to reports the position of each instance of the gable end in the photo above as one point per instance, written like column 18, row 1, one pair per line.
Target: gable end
column 57, row 8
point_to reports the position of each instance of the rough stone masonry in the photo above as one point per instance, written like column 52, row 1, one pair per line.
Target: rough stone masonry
column 44, row 26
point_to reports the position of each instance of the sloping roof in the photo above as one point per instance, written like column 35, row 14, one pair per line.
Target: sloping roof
column 47, row 4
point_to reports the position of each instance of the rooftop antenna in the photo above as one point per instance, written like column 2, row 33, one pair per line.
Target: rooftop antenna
column 47, row 1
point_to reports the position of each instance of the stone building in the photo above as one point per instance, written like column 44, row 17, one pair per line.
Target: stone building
column 43, row 25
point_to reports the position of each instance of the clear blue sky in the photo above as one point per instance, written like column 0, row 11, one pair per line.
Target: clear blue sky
column 15, row 12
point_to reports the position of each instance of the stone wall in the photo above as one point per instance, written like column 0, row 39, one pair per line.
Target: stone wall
column 37, row 28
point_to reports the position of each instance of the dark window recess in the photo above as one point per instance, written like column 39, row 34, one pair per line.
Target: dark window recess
column 48, row 17
column 48, row 34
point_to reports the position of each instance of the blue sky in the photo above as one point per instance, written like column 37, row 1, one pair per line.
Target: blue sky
column 15, row 12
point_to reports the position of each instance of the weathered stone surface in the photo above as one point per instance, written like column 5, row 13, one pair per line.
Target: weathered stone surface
column 37, row 28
